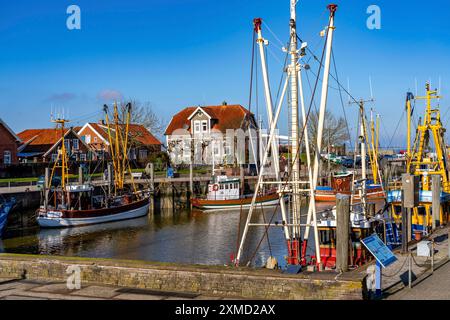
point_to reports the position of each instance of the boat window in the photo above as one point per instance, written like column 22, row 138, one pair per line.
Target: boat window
column 327, row 236
column 221, row 187
column 226, row 186
column 421, row 210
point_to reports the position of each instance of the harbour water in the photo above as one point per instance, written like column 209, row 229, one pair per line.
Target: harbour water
column 192, row 237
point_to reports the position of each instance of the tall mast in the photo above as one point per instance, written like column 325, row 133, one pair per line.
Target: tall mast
column 362, row 138
column 293, row 72
column 320, row 125
column 269, row 105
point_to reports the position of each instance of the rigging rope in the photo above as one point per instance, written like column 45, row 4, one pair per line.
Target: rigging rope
column 298, row 151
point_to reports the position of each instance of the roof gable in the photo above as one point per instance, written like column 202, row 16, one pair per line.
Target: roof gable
column 225, row 116
column 13, row 134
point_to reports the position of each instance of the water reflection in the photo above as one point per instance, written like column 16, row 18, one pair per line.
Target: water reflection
column 183, row 237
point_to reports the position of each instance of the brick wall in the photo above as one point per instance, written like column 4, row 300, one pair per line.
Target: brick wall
column 7, row 143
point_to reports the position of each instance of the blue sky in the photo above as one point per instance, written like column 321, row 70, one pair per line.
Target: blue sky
column 197, row 52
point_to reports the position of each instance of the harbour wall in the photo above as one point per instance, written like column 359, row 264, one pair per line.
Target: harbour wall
column 229, row 282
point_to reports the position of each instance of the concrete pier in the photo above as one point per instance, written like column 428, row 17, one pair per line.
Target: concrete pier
column 213, row 281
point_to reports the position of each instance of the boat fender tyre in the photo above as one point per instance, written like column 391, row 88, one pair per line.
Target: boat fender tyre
column 339, row 182
column 215, row 187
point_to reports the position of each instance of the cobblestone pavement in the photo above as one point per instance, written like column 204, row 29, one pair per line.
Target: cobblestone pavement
column 395, row 277
column 16, row 289
column 436, row 286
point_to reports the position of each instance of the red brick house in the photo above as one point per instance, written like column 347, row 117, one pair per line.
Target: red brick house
column 9, row 142
column 141, row 141
column 42, row 145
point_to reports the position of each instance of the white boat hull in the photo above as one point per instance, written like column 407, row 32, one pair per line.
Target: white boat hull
column 55, row 222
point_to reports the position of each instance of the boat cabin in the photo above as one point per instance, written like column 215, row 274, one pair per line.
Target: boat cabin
column 224, row 188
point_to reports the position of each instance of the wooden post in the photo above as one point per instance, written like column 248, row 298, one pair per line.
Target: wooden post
column 191, row 178
column 80, row 175
column 152, row 187
column 436, row 198
column 109, row 179
column 46, row 187
column 241, row 175
column 342, row 231
column 152, row 177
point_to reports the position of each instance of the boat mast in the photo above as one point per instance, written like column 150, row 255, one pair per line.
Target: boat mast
column 323, row 103
column 269, row 106
column 362, row 139
column 295, row 167
column 62, row 154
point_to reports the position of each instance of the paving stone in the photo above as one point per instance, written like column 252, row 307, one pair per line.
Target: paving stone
column 96, row 291
column 131, row 296
column 12, row 297
column 53, row 288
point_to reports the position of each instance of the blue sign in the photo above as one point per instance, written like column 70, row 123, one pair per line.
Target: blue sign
column 379, row 250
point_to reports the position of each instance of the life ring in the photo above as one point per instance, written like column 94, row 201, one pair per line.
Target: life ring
column 215, row 187
column 338, row 182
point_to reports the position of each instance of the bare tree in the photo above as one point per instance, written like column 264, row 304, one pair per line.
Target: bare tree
column 334, row 131
column 142, row 113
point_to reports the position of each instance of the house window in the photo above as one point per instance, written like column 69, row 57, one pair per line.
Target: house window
column 7, row 157
column 82, row 157
column 132, row 154
column 227, row 149
column 204, row 125
column 88, row 138
column 75, row 143
column 54, row 157
column 142, row 154
column 67, row 144
column 216, row 149
column 197, row 126
column 95, row 139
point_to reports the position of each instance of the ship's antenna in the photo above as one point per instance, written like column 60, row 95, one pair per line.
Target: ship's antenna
column 370, row 85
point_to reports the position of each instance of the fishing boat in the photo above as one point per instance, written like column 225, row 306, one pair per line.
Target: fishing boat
column 342, row 183
column 424, row 161
column 361, row 227
column 5, row 208
column 225, row 193
column 78, row 204
column 363, row 224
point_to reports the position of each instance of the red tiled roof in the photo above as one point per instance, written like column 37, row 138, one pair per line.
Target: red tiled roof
column 142, row 135
column 41, row 136
column 227, row 116
column 137, row 132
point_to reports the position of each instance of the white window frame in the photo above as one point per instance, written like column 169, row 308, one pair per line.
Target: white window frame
column 83, row 157
column 67, row 144
column 204, row 126
column 7, row 157
column 76, row 144
column 88, row 138
column 197, row 126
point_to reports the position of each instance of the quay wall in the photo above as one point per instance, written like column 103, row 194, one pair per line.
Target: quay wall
column 220, row 281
